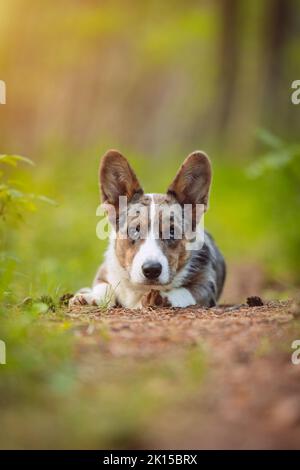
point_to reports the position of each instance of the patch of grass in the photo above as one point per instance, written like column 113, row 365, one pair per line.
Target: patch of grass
column 59, row 387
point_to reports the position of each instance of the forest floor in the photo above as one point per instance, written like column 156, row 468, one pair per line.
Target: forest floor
column 245, row 390
column 93, row 378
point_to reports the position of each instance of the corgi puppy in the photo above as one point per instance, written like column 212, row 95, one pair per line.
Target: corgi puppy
column 151, row 261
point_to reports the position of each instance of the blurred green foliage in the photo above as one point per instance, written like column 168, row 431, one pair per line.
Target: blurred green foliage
column 12, row 200
column 15, row 202
column 279, row 172
column 59, row 390
column 156, row 81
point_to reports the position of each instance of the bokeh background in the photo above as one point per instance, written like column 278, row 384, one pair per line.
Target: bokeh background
column 155, row 80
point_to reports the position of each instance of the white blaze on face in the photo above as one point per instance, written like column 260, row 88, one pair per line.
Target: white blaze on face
column 150, row 251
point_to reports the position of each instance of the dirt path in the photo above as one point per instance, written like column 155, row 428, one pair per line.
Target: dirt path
column 250, row 395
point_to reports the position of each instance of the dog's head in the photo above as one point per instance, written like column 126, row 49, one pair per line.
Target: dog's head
column 151, row 229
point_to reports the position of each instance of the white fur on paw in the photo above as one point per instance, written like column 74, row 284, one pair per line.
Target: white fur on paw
column 180, row 297
column 82, row 299
column 101, row 295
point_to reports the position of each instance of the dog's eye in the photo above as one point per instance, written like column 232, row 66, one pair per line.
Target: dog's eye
column 171, row 240
column 172, row 233
column 134, row 233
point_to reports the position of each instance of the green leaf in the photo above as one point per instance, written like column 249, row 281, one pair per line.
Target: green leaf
column 269, row 139
column 46, row 199
column 269, row 162
column 15, row 193
column 14, row 159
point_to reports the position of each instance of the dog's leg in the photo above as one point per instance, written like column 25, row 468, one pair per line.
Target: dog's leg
column 180, row 297
column 101, row 294
column 184, row 297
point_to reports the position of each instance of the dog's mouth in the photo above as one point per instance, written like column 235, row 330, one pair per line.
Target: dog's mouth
column 155, row 284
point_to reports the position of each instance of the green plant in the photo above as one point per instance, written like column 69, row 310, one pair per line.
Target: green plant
column 281, row 156
column 278, row 172
column 15, row 201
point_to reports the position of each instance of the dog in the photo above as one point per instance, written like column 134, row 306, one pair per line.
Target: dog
column 153, row 270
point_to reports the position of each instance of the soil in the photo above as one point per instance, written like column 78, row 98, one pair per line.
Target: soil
column 250, row 397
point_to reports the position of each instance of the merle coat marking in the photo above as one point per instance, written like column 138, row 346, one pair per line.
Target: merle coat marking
column 150, row 270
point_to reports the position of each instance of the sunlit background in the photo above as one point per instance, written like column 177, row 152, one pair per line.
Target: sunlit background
column 155, row 80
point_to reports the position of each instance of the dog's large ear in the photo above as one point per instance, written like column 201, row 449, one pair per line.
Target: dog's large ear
column 117, row 179
column 192, row 182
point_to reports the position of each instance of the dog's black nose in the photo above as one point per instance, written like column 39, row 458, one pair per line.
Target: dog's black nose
column 151, row 269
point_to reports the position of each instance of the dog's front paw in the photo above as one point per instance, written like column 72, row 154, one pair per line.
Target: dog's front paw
column 101, row 295
column 154, row 299
column 82, row 299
